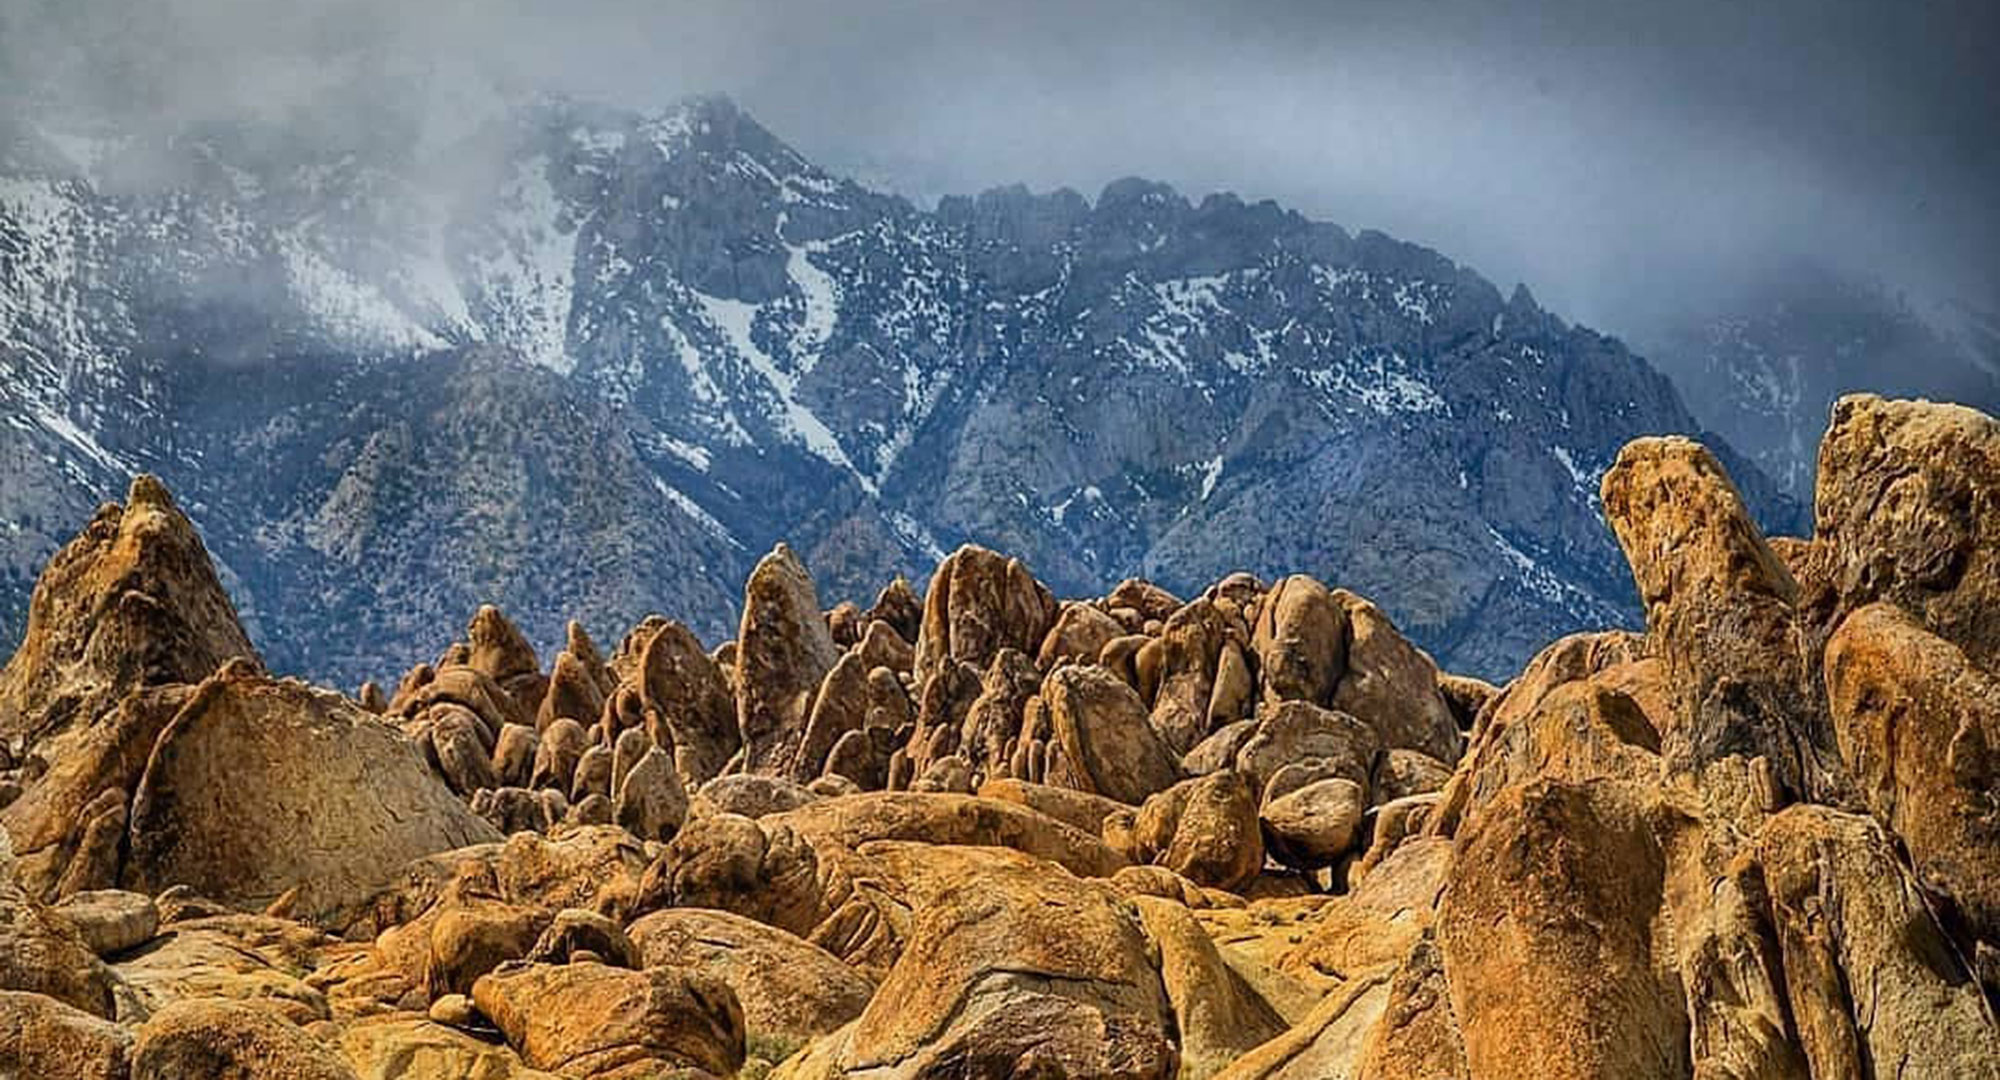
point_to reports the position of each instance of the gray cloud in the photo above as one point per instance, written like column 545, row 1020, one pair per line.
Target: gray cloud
column 1621, row 157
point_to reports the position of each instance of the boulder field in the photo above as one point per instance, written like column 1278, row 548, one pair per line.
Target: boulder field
column 982, row 831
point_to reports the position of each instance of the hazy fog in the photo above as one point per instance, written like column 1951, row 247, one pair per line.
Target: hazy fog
column 1620, row 157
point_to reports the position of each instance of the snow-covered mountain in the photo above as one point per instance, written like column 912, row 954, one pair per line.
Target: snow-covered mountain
column 592, row 363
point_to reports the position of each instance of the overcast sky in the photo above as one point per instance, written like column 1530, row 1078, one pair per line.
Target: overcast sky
column 1618, row 156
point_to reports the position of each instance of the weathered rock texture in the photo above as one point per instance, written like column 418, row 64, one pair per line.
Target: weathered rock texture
column 132, row 601
column 1255, row 833
column 261, row 787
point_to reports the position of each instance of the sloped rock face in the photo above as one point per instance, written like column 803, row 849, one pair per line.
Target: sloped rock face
column 208, row 1038
column 1255, row 833
column 978, row 603
column 1011, row 970
column 405, row 1045
column 1301, row 641
column 40, row 1036
column 1907, row 504
column 1546, row 937
column 1392, row 686
column 133, row 601
column 1100, row 739
column 1872, row 979
column 43, row 954
column 259, row 787
column 790, row 989
column 1221, row 1017
column 678, row 682
column 1204, row 829
column 70, row 823
column 1919, row 725
column 127, row 615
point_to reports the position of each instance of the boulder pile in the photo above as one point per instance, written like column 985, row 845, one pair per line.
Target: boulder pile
column 984, row 832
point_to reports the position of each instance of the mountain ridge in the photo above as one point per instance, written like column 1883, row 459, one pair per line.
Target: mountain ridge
column 1137, row 385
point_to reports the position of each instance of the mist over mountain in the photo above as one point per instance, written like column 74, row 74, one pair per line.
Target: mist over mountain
column 328, row 267
column 946, row 561
column 1627, row 159
column 630, row 352
column 1765, row 368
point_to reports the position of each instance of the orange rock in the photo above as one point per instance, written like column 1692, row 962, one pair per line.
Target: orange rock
column 979, row 603
column 589, row 1020
column 1721, row 613
column 783, row 653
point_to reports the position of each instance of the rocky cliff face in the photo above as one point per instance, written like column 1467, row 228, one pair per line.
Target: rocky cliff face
column 1255, row 832
column 604, row 360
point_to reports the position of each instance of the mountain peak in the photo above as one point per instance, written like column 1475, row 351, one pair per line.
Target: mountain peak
column 1130, row 190
column 716, row 123
column 712, row 106
column 726, row 346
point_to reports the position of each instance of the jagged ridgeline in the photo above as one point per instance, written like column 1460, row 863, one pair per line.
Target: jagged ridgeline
column 986, row 833
column 629, row 354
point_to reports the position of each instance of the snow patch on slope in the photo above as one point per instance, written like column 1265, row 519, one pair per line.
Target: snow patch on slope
column 693, row 509
column 1379, row 382
column 914, row 534
column 38, row 279
column 525, row 270
column 696, row 457
column 63, row 428
column 1540, row 580
column 736, row 320
column 1210, row 473
column 1586, row 481
column 822, row 304
column 350, row 310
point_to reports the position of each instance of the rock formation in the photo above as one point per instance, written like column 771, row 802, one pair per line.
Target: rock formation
column 258, row 789
column 132, row 601
column 1255, row 833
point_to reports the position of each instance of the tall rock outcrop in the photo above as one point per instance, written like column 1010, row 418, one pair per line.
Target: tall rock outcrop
column 1907, row 510
column 133, row 601
column 125, row 617
column 1919, row 725
column 978, row 603
column 783, row 651
column 1722, row 613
